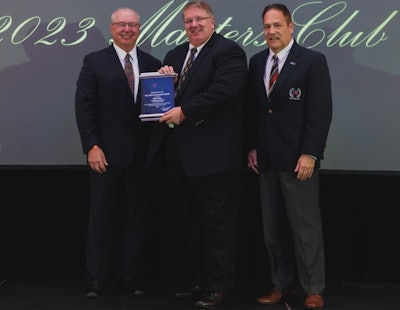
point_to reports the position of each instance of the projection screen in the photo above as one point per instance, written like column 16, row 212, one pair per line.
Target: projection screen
column 43, row 42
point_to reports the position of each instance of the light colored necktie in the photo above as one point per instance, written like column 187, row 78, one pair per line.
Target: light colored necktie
column 274, row 73
column 129, row 72
column 186, row 68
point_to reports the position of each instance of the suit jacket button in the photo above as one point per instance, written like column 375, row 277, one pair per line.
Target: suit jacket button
column 269, row 111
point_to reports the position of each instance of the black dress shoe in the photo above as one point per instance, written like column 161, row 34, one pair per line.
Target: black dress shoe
column 193, row 292
column 212, row 300
column 94, row 289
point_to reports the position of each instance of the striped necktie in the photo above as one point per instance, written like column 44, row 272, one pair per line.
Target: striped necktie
column 274, row 73
column 186, row 69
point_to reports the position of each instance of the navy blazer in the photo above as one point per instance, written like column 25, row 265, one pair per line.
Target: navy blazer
column 105, row 110
column 296, row 117
column 209, row 141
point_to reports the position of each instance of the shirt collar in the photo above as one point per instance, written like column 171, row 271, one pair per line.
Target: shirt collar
column 121, row 53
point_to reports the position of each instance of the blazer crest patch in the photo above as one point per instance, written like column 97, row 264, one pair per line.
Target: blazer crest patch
column 295, row 94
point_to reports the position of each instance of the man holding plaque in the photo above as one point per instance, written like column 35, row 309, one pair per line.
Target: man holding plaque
column 202, row 142
column 107, row 107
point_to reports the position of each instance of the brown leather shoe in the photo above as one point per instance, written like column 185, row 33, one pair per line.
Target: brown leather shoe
column 314, row 301
column 273, row 298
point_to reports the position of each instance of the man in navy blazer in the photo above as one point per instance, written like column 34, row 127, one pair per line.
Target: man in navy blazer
column 202, row 136
column 287, row 128
column 116, row 142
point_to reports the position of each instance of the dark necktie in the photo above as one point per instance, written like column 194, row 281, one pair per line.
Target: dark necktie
column 129, row 72
column 186, row 68
column 274, row 73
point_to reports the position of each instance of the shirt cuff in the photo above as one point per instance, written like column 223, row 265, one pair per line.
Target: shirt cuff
column 313, row 157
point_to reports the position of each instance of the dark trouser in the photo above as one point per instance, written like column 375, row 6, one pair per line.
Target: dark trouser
column 293, row 230
column 116, row 223
column 206, row 209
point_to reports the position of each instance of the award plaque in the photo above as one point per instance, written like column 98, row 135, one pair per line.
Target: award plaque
column 157, row 95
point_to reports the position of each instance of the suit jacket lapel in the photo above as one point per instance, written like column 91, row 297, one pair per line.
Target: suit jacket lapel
column 179, row 66
column 141, row 65
column 261, row 67
column 197, row 63
column 202, row 55
column 288, row 67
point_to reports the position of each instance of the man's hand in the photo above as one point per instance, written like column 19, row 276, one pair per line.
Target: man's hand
column 97, row 160
column 305, row 167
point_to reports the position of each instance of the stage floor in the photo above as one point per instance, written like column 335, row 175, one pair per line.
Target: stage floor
column 19, row 294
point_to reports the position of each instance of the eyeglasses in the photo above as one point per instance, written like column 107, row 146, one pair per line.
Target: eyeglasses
column 123, row 25
column 195, row 19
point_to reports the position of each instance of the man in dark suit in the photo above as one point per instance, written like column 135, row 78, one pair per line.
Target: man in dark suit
column 203, row 149
column 115, row 141
column 288, row 123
